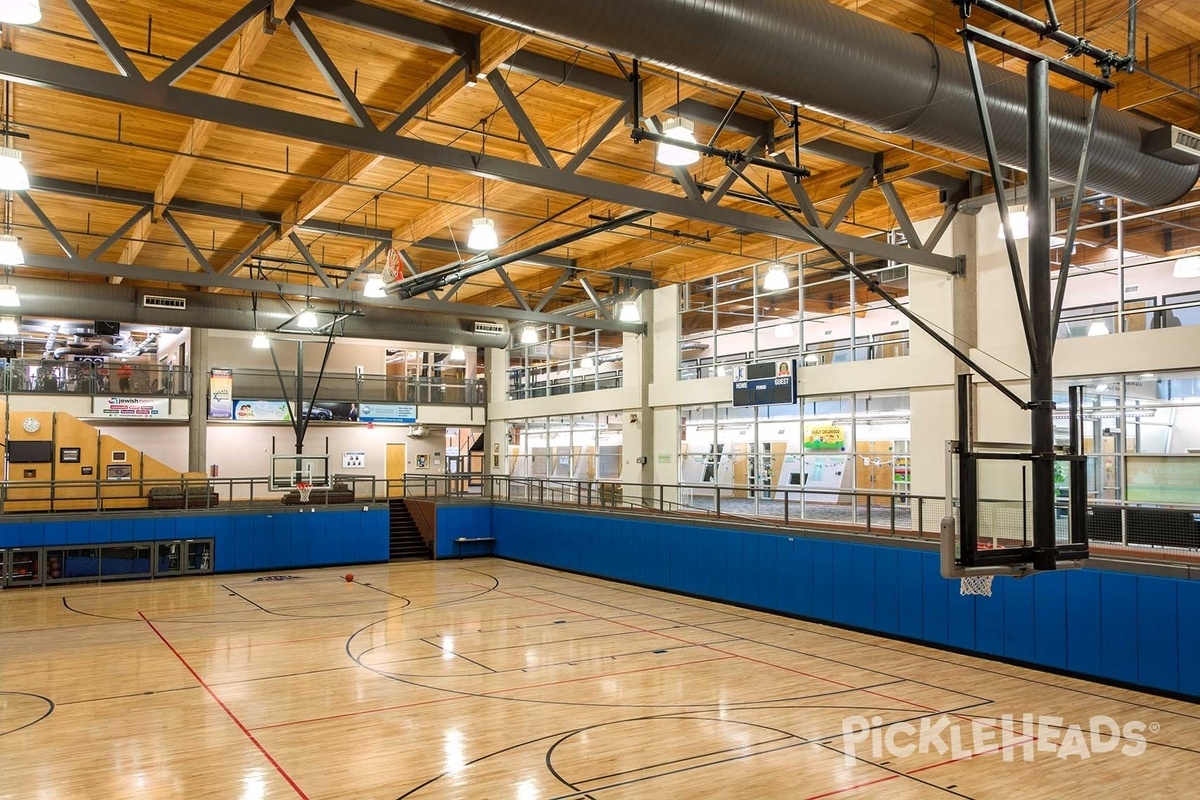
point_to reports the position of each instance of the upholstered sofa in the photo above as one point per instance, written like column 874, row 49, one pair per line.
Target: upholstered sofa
column 200, row 496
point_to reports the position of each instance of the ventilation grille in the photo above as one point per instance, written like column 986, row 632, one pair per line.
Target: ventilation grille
column 893, row 274
column 493, row 328
column 1174, row 144
column 157, row 301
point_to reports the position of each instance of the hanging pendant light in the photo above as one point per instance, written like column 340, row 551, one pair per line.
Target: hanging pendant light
column 587, row 362
column 1188, row 267
column 307, row 318
column 1097, row 329
column 374, row 287
column 776, row 279
column 9, row 326
column 260, row 341
column 785, row 330
column 13, row 177
column 9, row 297
column 529, row 335
column 1018, row 218
column 10, row 251
column 483, row 228
column 629, row 312
column 20, row 12
column 457, row 354
column 681, row 130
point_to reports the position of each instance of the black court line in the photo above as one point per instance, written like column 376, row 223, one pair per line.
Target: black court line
column 302, row 616
column 50, row 706
column 463, row 657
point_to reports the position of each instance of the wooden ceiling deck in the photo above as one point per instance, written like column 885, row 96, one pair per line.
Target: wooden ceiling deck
column 95, row 142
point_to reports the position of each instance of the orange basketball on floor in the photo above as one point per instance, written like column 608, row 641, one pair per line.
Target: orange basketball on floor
column 349, row 577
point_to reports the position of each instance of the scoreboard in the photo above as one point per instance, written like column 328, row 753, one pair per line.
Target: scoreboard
column 771, row 383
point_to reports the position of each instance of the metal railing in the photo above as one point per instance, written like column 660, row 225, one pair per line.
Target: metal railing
column 25, row 375
column 340, row 387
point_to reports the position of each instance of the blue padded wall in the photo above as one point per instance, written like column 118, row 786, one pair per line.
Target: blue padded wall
column 465, row 521
column 1136, row 629
column 283, row 539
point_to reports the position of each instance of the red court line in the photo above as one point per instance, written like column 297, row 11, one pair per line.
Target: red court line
column 225, row 708
column 728, row 653
column 360, row 713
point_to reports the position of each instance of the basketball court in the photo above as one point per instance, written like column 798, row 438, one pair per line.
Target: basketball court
column 491, row 678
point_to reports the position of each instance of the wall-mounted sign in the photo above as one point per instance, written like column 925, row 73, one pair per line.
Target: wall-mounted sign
column 68, row 455
column 131, row 407
column 825, row 437
column 387, row 412
column 261, row 411
column 354, row 460
column 220, row 394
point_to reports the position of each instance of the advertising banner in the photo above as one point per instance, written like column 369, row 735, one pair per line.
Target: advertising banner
column 261, row 411
column 387, row 412
column 220, row 394
column 131, row 407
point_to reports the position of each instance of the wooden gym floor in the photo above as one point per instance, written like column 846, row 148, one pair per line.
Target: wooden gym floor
column 491, row 679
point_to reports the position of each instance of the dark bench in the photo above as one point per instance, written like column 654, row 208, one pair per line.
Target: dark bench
column 490, row 541
column 176, row 497
column 338, row 493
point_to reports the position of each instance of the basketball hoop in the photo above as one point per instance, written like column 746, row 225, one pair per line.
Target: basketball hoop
column 391, row 267
column 305, row 490
column 978, row 585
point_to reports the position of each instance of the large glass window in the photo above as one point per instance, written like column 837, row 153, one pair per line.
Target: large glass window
column 824, row 316
column 583, row 447
column 550, row 360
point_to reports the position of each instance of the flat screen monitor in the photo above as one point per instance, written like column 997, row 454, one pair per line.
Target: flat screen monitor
column 104, row 328
column 27, row 452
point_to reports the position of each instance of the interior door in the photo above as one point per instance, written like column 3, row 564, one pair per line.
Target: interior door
column 396, row 464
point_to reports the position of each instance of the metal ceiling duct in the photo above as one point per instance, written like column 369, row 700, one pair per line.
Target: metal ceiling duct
column 828, row 58
column 66, row 299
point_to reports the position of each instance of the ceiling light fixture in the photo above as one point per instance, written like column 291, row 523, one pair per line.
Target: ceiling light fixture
column 785, row 331
column 811, row 359
column 1101, row 387
column 1019, row 220
column 776, row 279
column 13, row 177
column 587, row 362
column 307, row 318
column 374, row 287
column 9, row 297
column 1097, row 329
column 673, row 155
column 483, row 228
column 1188, row 267
column 8, row 326
column 629, row 312
column 260, row 341
column 457, row 354
column 529, row 335
column 11, row 254
column 20, row 12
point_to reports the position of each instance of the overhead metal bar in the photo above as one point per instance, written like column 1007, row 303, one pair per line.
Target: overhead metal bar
column 329, row 71
column 856, row 189
column 939, row 230
column 201, row 259
column 599, row 137
column 103, row 36
column 447, row 246
column 903, row 220
column 45, row 72
column 426, row 97
column 453, row 290
column 725, row 120
column 512, row 287
column 1106, row 60
column 800, row 194
column 313, row 264
column 1025, row 54
column 241, row 258
column 374, row 19
column 1010, row 242
column 444, row 276
column 573, row 76
column 368, row 259
column 50, row 227
column 520, row 315
column 1073, row 225
column 200, row 208
column 595, row 298
column 202, row 49
column 120, row 232
column 524, row 125
column 553, row 290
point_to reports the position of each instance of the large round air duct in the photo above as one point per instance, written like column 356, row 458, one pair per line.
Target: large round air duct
column 828, row 58
column 50, row 298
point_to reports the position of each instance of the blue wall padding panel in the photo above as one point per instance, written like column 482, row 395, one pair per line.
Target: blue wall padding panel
column 1137, row 629
column 284, row 539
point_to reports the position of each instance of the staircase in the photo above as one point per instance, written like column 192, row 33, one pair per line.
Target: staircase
column 404, row 539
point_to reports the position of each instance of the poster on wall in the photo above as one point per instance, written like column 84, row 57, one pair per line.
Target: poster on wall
column 131, row 407
column 261, row 411
column 220, row 394
column 1163, row 479
column 825, row 438
column 387, row 412
column 824, row 472
column 355, row 460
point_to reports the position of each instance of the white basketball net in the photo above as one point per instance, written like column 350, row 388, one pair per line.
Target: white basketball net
column 980, row 585
column 391, row 269
column 305, row 490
